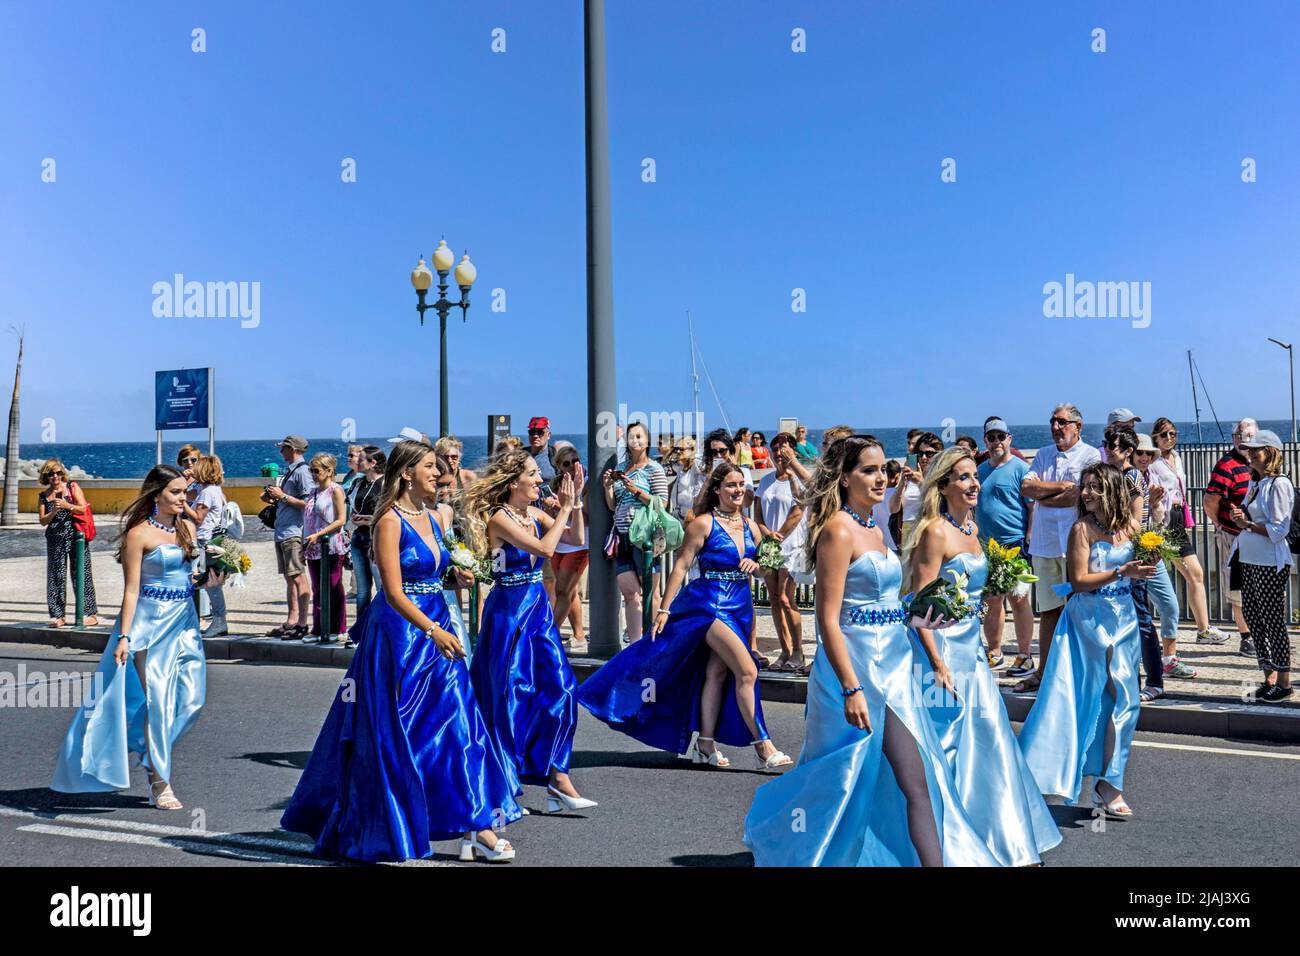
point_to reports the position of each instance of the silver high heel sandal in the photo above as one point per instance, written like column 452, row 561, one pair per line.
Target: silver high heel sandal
column 777, row 759
column 163, row 799
column 714, row 758
column 471, row 849
column 557, row 802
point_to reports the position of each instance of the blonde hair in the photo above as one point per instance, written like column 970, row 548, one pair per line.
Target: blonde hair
column 824, row 496
column 208, row 471
column 932, row 489
column 1272, row 462
column 49, row 468
column 835, row 433
column 447, row 444
column 489, row 492
column 1114, row 507
column 323, row 460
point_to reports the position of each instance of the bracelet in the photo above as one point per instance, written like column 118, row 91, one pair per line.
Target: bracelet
column 846, row 694
column 662, row 610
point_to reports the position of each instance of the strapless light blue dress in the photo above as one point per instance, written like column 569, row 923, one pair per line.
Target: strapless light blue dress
column 111, row 725
column 996, row 788
column 404, row 758
column 841, row 804
column 650, row 690
column 1063, row 738
column 521, row 674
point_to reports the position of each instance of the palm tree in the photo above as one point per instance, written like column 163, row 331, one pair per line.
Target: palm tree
column 9, row 516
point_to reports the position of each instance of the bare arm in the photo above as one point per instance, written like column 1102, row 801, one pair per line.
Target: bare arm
column 927, row 559
column 388, row 533
column 132, row 556
column 834, row 552
column 1211, row 503
column 697, row 532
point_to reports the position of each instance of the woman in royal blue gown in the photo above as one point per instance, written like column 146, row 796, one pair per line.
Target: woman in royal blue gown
column 151, row 681
column 993, row 781
column 693, row 682
column 1083, row 720
column 521, row 674
column 404, row 758
column 872, row 786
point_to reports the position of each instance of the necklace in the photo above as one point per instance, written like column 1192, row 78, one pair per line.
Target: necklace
column 968, row 529
column 170, row 529
column 732, row 516
column 522, row 520
column 869, row 523
column 408, row 512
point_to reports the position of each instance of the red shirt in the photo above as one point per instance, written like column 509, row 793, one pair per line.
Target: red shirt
column 762, row 457
column 1230, row 479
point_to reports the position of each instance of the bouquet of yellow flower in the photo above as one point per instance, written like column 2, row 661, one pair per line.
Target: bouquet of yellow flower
column 465, row 559
column 1009, row 572
column 1153, row 546
column 227, row 558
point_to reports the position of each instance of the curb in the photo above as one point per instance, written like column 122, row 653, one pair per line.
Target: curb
column 1201, row 717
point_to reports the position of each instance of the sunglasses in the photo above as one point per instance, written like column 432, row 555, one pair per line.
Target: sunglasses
column 717, row 451
column 1116, row 446
column 1167, row 435
column 1062, row 422
column 925, row 454
column 536, row 431
column 189, row 461
column 995, row 436
column 1140, row 452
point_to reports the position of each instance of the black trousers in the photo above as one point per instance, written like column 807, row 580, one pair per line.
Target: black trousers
column 1263, row 602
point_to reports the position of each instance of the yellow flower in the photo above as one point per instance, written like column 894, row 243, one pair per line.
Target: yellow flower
column 1150, row 541
column 994, row 549
column 1011, row 553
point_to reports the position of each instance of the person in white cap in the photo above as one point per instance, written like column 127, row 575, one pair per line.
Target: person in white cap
column 1265, row 558
column 1123, row 418
column 409, row 434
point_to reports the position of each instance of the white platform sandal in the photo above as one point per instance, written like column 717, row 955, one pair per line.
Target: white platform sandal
column 471, row 849
column 714, row 758
column 777, row 759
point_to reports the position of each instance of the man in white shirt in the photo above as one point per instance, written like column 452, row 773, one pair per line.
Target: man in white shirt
column 1053, row 485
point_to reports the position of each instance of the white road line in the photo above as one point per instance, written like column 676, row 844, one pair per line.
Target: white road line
column 148, row 834
column 204, row 847
column 1216, row 750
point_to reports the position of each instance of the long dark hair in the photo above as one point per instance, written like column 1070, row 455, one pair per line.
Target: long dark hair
column 1116, row 497
column 159, row 477
column 825, row 494
column 405, row 454
column 707, row 499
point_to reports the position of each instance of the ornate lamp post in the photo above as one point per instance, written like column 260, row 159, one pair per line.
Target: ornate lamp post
column 421, row 280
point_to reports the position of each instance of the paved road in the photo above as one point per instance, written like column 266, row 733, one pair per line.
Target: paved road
column 1200, row 801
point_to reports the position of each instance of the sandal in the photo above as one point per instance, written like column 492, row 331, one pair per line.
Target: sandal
column 1117, row 808
column 163, row 799
column 1150, row 693
column 92, row 621
column 714, row 758
column 1028, row 685
column 58, row 622
column 278, row 631
column 295, row 633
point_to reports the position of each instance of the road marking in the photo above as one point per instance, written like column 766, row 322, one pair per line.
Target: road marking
column 1216, row 750
column 204, row 847
column 149, row 834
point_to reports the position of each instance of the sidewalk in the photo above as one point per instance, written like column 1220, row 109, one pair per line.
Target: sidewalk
column 1210, row 704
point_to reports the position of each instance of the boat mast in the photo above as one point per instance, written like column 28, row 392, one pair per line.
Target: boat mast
column 695, row 377
column 1196, row 409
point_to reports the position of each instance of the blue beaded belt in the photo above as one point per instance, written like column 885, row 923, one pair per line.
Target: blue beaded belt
column 421, row 587
column 726, row 575
column 1113, row 589
column 518, row 578
column 159, row 593
column 876, row 615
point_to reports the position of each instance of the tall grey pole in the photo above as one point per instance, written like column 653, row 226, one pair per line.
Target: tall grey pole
column 602, row 587
column 1290, row 360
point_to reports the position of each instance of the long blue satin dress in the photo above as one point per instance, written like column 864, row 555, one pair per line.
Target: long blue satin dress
column 996, row 788
column 404, row 758
column 521, row 674
column 110, row 726
column 841, row 804
column 1064, row 736
column 650, row 690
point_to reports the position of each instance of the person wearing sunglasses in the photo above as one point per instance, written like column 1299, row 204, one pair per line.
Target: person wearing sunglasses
column 1168, row 466
column 1052, row 482
column 761, row 454
column 684, row 478
column 1003, row 514
column 904, row 501
column 55, row 508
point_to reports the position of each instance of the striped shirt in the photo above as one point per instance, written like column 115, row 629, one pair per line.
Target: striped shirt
column 1230, row 479
column 649, row 477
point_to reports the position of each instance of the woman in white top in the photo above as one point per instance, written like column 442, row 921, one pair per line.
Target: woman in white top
column 906, row 498
column 209, row 511
column 1265, row 558
column 779, row 515
column 1168, row 467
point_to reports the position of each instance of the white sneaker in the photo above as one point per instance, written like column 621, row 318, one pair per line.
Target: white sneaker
column 217, row 627
column 1211, row 635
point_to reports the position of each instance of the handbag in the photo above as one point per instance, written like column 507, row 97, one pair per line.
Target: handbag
column 84, row 522
column 652, row 521
column 267, row 514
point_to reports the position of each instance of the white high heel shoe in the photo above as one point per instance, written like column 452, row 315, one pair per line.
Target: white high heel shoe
column 163, row 799
column 557, row 801
column 470, row 849
column 777, row 759
column 715, row 758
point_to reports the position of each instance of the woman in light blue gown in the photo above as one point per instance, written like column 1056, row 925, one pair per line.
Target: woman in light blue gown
column 872, row 786
column 997, row 790
column 151, row 682
column 1083, row 721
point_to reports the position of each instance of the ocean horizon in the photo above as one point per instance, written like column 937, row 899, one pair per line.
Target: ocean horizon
column 245, row 457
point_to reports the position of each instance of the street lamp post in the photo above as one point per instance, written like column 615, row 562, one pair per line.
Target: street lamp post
column 1290, row 355
column 421, row 279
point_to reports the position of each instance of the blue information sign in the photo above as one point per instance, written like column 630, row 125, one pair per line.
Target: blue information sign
column 181, row 399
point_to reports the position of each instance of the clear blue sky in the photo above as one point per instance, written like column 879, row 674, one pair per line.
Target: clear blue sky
column 775, row 170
